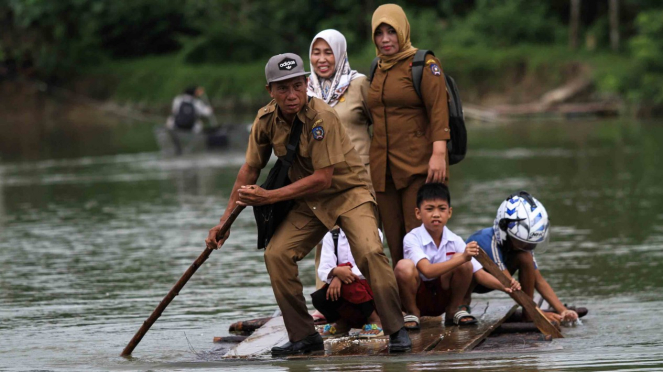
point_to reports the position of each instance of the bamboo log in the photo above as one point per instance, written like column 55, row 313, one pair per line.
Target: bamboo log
column 229, row 339
column 520, row 297
column 247, row 327
column 178, row 286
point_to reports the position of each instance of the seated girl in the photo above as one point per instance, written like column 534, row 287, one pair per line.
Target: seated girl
column 346, row 300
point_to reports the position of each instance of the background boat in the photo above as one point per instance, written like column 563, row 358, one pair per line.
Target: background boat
column 178, row 142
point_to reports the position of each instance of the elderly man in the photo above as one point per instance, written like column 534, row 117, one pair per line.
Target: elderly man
column 328, row 189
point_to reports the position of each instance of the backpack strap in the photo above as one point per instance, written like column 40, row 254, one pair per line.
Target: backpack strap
column 374, row 66
column 335, row 233
column 293, row 143
column 418, row 69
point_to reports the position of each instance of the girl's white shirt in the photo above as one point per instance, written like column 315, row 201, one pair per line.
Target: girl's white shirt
column 328, row 260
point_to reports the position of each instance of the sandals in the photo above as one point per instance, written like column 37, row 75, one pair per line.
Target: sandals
column 460, row 319
column 330, row 331
column 411, row 319
column 370, row 330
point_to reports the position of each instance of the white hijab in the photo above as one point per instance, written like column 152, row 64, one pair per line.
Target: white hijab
column 331, row 90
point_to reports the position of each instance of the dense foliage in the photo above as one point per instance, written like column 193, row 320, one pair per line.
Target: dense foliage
column 646, row 83
column 53, row 40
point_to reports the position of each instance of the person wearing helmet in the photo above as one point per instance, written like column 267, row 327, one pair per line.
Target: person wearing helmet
column 521, row 225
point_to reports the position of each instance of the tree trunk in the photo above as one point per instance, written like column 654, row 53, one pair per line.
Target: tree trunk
column 574, row 24
column 614, row 24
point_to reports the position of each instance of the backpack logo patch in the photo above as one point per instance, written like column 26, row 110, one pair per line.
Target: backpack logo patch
column 287, row 64
column 435, row 69
column 318, row 133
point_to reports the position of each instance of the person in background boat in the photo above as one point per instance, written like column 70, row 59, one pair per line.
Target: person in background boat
column 333, row 81
column 327, row 188
column 409, row 144
column 188, row 109
column 520, row 226
column 436, row 272
column 346, row 300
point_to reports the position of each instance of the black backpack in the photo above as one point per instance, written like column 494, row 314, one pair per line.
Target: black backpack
column 457, row 145
column 186, row 115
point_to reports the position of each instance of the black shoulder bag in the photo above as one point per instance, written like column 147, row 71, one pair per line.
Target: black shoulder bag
column 269, row 216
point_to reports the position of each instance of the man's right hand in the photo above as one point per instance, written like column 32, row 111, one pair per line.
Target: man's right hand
column 344, row 274
column 211, row 241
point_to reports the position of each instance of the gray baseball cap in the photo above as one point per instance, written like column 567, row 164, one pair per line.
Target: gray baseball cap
column 283, row 67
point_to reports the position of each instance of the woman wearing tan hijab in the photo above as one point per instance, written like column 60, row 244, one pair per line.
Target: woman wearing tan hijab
column 409, row 144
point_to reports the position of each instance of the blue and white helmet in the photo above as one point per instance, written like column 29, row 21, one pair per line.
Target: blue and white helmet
column 523, row 218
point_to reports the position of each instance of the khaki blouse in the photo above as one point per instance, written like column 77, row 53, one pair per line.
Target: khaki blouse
column 404, row 126
column 355, row 116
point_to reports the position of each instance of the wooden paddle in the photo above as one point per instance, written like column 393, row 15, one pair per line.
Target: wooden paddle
column 540, row 320
column 179, row 285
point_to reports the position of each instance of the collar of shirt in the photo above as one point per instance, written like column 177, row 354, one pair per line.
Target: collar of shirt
column 426, row 239
column 306, row 113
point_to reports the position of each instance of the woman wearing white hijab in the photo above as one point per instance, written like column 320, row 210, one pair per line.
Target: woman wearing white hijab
column 342, row 88
column 345, row 90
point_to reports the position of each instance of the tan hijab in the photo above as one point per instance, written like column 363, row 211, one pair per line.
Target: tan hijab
column 394, row 16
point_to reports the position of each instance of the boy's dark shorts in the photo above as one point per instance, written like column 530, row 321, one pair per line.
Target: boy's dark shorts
column 481, row 289
column 432, row 300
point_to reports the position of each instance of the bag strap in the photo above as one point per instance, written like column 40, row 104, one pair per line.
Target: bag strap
column 374, row 66
column 293, row 143
column 335, row 233
column 418, row 69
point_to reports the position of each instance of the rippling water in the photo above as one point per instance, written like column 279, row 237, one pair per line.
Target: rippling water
column 91, row 241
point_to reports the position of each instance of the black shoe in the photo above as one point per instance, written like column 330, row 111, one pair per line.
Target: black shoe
column 310, row 343
column 399, row 342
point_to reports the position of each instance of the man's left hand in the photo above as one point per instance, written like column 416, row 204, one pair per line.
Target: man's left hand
column 253, row 195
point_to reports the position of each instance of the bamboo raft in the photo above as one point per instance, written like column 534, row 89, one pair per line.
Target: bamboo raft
column 433, row 337
column 499, row 329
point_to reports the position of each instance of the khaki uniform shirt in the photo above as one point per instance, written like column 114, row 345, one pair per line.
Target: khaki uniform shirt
column 404, row 126
column 348, row 189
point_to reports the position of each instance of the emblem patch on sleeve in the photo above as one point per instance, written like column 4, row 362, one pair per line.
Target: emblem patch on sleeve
column 318, row 133
column 435, row 69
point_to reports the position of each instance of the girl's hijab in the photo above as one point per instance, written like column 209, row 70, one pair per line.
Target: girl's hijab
column 331, row 90
column 394, row 16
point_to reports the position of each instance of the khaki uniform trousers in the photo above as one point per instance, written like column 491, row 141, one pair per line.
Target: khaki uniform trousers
column 292, row 242
column 397, row 213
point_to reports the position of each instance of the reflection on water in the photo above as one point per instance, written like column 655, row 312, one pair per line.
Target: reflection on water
column 90, row 243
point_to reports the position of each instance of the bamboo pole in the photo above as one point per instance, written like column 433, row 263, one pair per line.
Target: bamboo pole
column 178, row 286
column 540, row 320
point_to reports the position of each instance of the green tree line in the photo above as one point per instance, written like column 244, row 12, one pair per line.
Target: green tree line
column 53, row 40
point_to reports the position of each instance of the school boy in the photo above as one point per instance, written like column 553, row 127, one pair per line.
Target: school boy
column 521, row 224
column 437, row 268
column 346, row 300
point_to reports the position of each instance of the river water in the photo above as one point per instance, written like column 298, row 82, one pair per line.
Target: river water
column 96, row 226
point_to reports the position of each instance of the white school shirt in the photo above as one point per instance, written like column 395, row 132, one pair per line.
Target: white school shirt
column 418, row 244
column 328, row 260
